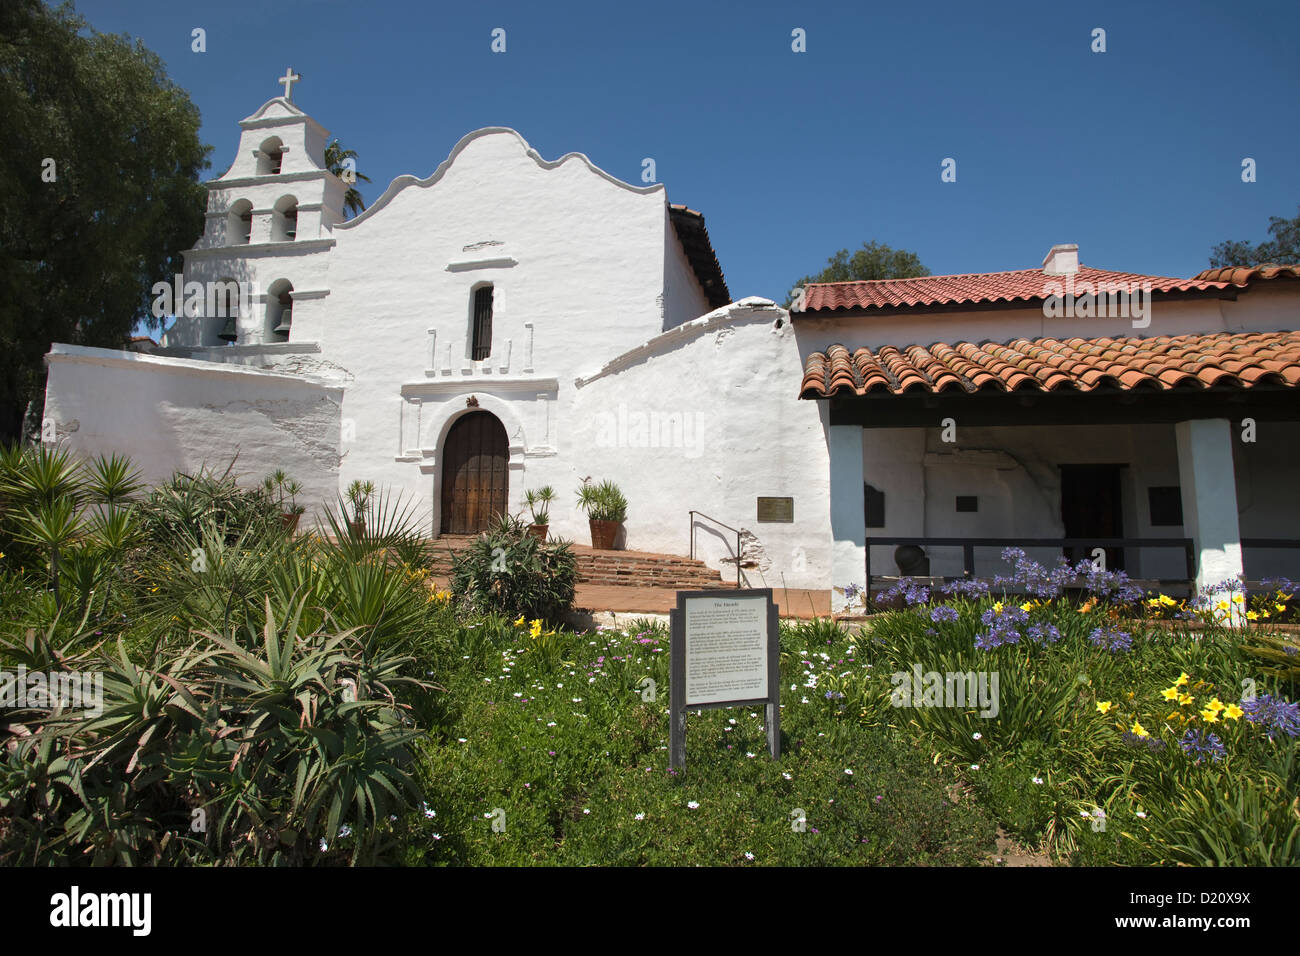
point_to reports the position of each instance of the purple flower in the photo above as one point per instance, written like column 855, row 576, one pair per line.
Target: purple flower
column 1112, row 639
column 943, row 613
column 1274, row 714
column 1043, row 633
column 1201, row 745
column 1150, row 743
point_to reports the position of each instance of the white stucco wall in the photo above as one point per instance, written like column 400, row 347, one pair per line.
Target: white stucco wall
column 171, row 415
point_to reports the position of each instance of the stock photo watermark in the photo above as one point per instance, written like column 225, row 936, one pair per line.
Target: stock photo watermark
column 946, row 689
column 52, row 690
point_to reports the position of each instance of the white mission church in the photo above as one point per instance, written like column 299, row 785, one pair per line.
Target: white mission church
column 510, row 322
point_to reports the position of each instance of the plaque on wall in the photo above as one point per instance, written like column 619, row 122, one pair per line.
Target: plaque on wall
column 776, row 509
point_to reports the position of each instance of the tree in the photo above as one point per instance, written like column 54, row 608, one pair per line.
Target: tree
column 100, row 177
column 336, row 161
column 1283, row 249
column 874, row 260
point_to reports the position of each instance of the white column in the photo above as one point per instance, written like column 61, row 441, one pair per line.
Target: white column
column 848, row 519
column 1209, row 494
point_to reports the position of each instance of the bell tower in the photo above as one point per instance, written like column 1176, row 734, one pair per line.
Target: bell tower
column 269, row 227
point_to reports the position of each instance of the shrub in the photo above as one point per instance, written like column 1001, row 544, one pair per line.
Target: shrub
column 508, row 571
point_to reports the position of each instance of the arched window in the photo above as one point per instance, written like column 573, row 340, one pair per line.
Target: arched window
column 239, row 223
column 284, row 220
column 279, row 310
column 481, row 324
column 270, row 155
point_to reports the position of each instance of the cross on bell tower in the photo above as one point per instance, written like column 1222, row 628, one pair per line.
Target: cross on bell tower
column 288, row 80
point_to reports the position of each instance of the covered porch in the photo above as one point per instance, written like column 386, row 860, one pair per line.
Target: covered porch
column 1184, row 488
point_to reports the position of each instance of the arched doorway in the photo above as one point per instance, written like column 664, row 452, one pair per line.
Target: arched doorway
column 475, row 473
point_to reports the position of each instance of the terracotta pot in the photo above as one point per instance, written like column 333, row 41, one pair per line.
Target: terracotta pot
column 604, row 534
column 290, row 522
column 538, row 531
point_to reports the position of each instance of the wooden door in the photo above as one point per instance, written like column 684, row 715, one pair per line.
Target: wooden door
column 1091, row 507
column 475, row 476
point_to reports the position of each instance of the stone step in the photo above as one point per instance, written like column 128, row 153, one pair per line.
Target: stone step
column 606, row 568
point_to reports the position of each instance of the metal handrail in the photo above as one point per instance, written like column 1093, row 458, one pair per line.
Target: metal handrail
column 727, row 526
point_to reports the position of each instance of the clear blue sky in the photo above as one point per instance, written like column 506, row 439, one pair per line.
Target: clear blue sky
column 1134, row 153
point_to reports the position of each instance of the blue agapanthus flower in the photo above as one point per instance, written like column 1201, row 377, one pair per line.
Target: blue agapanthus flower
column 944, row 613
column 1274, row 714
column 1112, row 639
column 1199, row 744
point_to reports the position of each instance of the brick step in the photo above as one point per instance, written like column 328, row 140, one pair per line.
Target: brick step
column 606, row 568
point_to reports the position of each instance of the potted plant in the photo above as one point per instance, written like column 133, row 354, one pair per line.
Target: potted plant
column 281, row 485
column 539, row 500
column 606, row 510
column 358, row 495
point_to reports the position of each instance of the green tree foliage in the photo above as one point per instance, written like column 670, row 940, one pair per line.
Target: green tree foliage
column 874, row 260
column 1282, row 249
column 84, row 237
column 335, row 157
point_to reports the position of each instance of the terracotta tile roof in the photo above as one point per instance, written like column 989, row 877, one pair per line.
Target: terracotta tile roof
column 1022, row 285
column 689, row 226
column 1244, row 275
column 1165, row 362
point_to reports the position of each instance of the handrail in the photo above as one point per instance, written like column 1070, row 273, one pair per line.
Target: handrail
column 727, row 526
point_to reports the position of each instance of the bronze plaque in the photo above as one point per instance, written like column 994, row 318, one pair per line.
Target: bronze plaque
column 776, row 509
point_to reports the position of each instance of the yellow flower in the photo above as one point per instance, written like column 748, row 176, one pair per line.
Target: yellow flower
column 520, row 622
column 997, row 607
column 1239, row 599
column 1104, row 706
column 1167, row 601
column 1170, row 693
column 1222, row 606
column 1233, row 712
column 536, row 629
column 1215, row 705
column 1027, row 606
column 1280, row 607
column 1172, row 716
column 1182, row 679
column 1185, row 699
column 1252, row 616
column 1153, row 602
column 1211, row 716
column 1087, row 605
column 1138, row 729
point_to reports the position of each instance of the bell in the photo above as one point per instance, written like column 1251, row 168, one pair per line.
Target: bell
column 228, row 332
column 283, row 327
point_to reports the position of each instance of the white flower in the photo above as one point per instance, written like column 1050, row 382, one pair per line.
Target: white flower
column 559, row 686
column 848, row 771
column 804, row 700
column 692, row 805
column 750, row 755
column 976, row 736
column 749, row 856
column 731, row 720
column 323, row 845
column 585, row 810
column 462, row 740
column 437, row 836
column 787, row 776
column 1085, row 814
column 551, row 724
column 974, row 766
column 1140, row 815
column 1038, row 780
column 345, row 831
column 518, row 694
column 639, row 816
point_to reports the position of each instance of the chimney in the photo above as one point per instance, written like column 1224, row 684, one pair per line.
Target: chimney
column 1062, row 260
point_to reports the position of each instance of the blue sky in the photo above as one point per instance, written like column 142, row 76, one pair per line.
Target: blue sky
column 1134, row 153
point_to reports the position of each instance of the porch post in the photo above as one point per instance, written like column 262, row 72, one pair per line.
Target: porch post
column 848, row 517
column 1209, row 494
